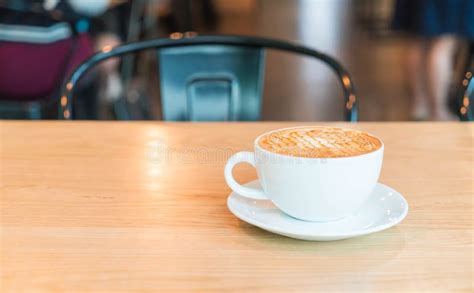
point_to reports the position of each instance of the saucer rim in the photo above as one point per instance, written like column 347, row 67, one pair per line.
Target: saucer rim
column 355, row 233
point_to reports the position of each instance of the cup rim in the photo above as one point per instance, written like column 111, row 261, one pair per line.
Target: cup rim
column 257, row 146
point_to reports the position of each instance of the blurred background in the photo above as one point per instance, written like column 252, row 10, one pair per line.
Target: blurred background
column 409, row 60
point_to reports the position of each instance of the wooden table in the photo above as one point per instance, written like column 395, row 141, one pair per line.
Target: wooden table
column 140, row 206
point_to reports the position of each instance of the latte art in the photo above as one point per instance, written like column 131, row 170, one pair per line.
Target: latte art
column 319, row 142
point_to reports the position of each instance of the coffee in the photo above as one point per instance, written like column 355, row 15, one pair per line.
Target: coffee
column 308, row 189
column 319, row 142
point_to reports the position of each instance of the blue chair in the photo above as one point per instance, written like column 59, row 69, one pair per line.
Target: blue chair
column 211, row 78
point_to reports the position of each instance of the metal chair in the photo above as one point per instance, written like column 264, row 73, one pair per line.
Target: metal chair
column 462, row 101
column 210, row 78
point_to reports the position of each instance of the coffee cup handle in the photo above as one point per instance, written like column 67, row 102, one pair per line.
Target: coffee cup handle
column 249, row 192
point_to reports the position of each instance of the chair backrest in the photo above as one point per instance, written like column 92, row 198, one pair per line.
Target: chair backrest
column 196, row 89
column 211, row 83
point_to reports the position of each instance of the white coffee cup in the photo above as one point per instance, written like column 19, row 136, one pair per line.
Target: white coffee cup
column 309, row 189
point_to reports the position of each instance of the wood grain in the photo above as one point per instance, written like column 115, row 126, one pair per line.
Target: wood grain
column 107, row 206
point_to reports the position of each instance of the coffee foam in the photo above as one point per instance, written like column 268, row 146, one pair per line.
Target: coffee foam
column 319, row 142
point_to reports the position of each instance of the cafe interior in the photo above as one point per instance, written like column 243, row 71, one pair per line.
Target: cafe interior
column 118, row 117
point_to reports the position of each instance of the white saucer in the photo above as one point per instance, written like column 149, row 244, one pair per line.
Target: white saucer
column 384, row 209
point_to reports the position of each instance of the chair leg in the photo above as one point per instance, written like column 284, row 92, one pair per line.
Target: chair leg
column 121, row 110
column 34, row 111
